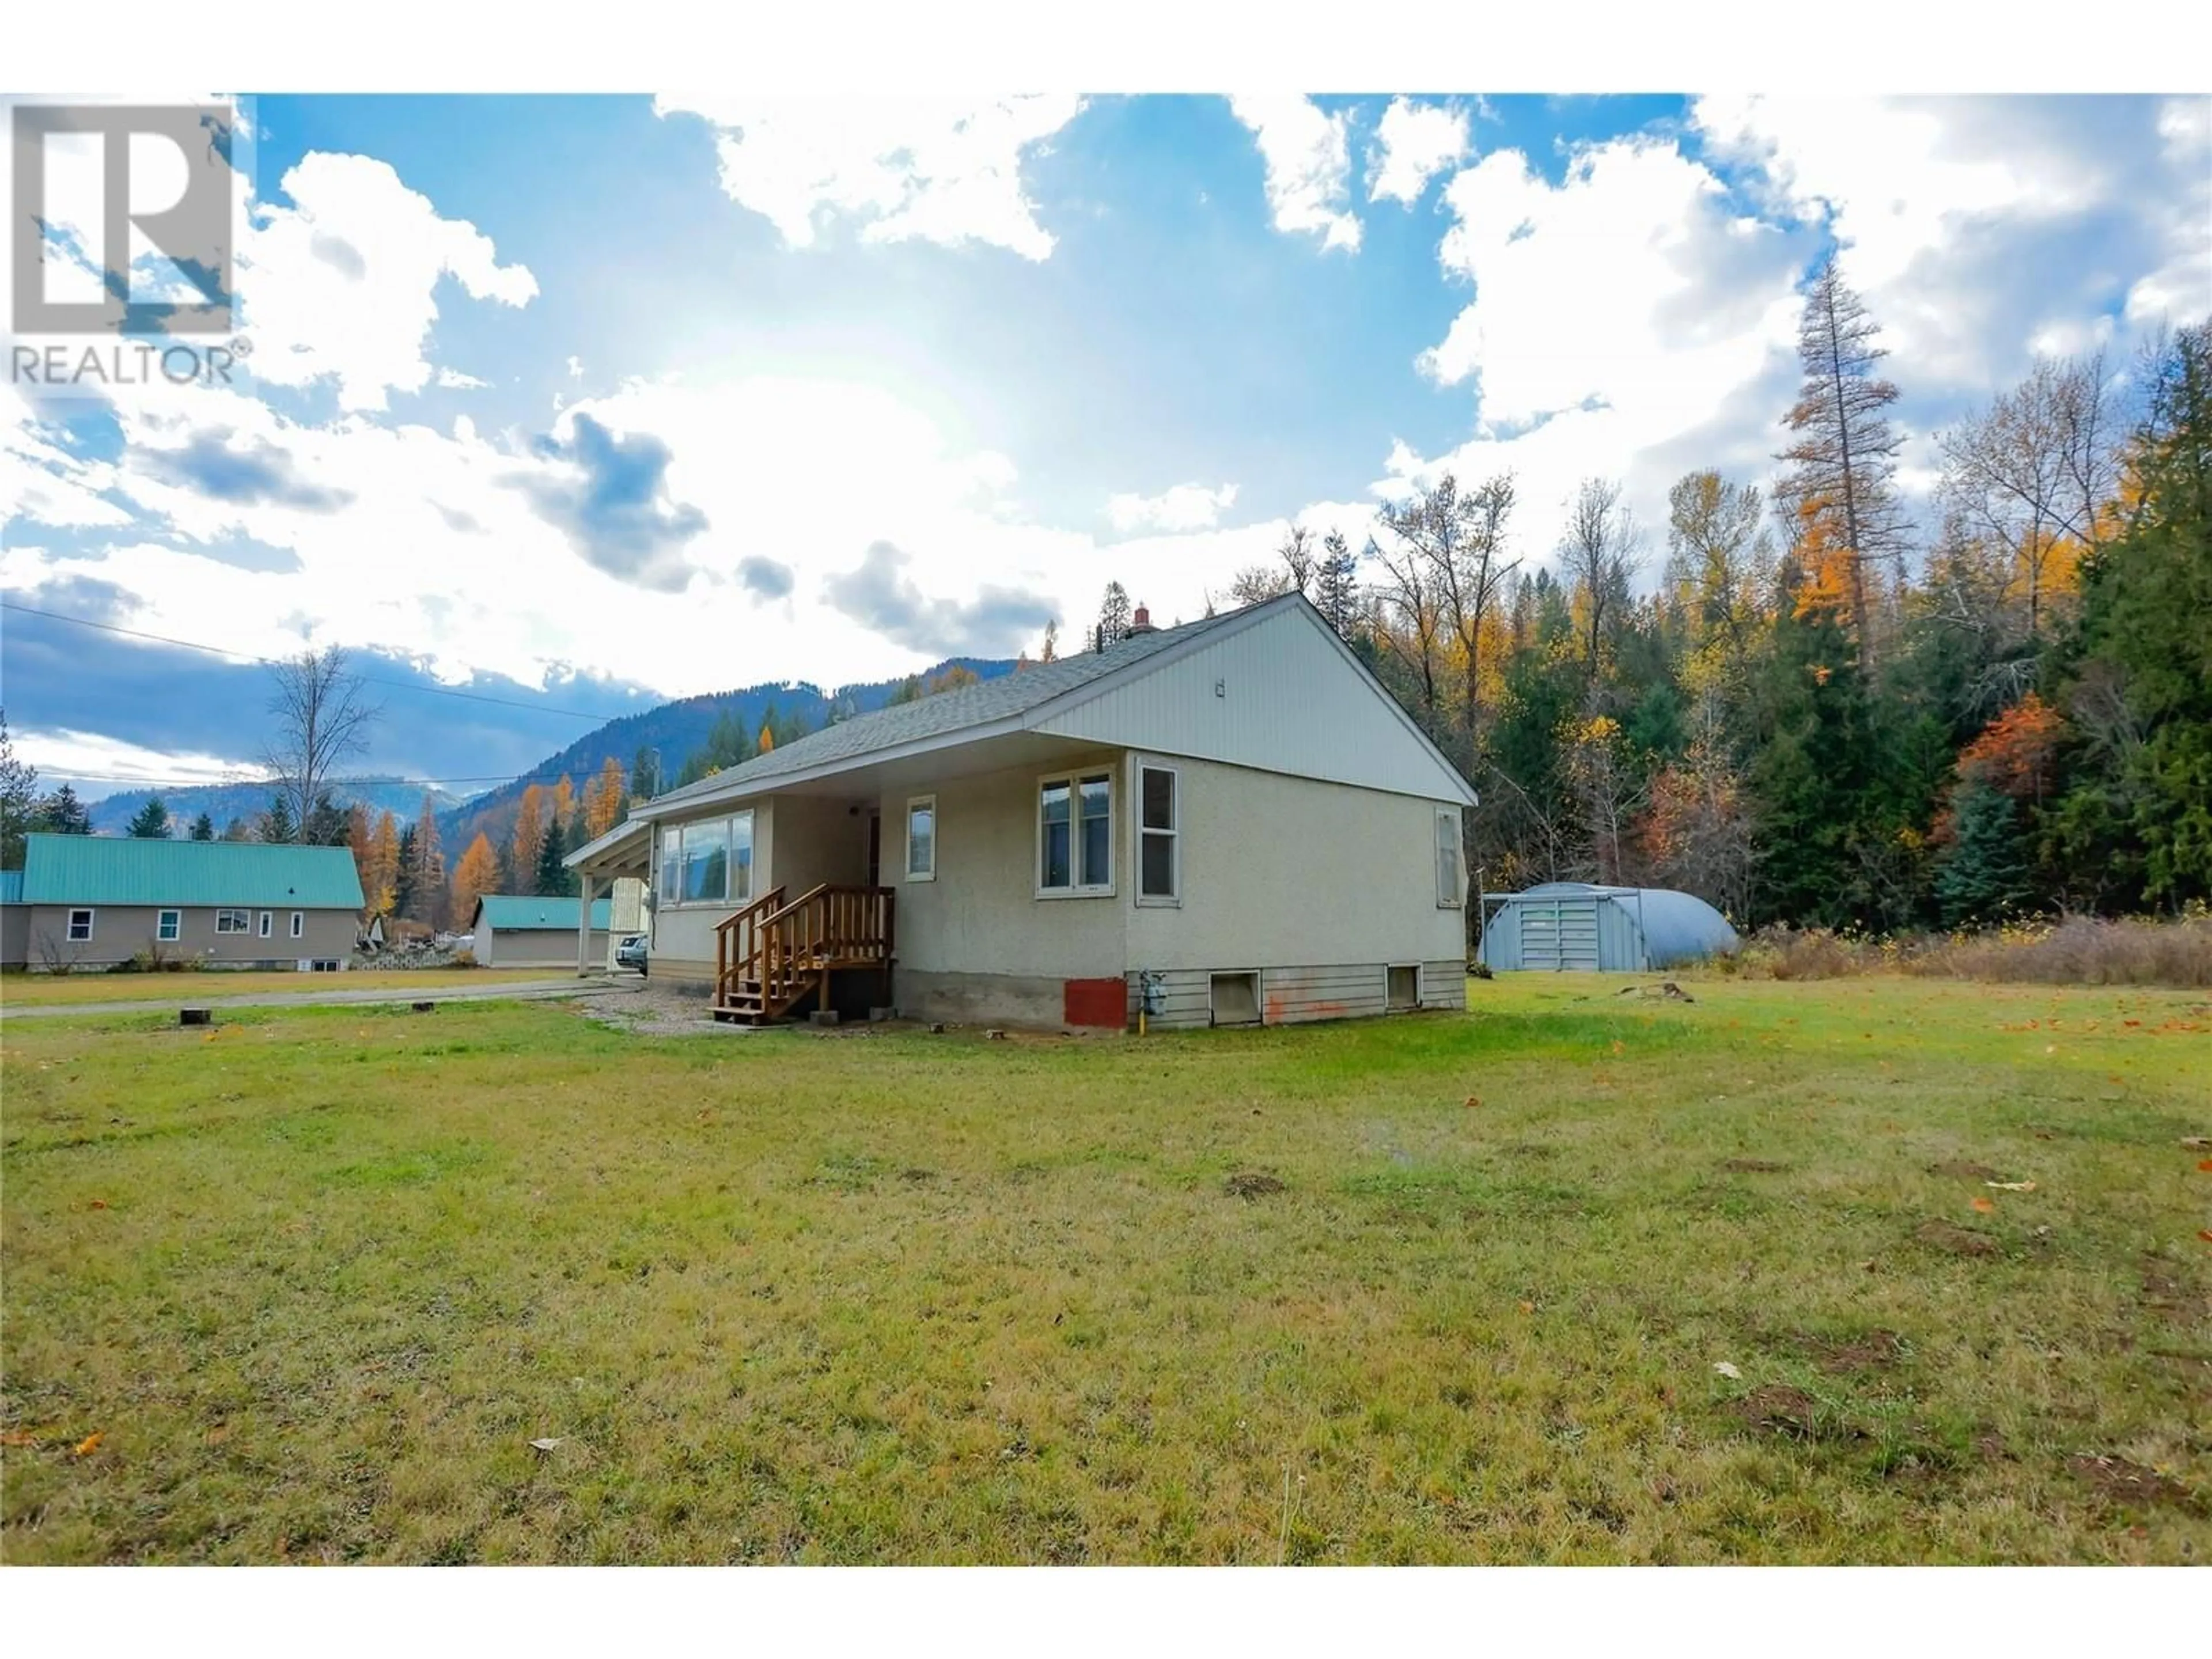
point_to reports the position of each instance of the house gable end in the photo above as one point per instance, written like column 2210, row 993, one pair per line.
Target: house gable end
column 1283, row 695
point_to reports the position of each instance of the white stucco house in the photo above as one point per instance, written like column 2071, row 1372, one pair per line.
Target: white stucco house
column 1230, row 822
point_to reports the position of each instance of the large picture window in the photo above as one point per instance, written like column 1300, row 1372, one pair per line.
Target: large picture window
column 1075, row 833
column 710, row 862
column 232, row 921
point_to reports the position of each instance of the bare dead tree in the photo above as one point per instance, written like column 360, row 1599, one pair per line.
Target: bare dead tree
column 1300, row 560
column 2035, row 470
column 323, row 719
column 1450, row 557
column 1843, row 465
column 1600, row 551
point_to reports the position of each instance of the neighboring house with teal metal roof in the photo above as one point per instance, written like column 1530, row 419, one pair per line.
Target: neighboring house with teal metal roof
column 90, row 901
column 528, row 932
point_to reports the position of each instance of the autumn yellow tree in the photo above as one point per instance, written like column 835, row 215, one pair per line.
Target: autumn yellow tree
column 603, row 799
column 529, row 838
column 382, row 885
column 564, row 800
column 427, row 880
column 476, row 874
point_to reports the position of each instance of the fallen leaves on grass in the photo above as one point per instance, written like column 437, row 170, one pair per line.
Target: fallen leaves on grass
column 2011, row 1186
column 547, row 1442
column 18, row 1438
column 1726, row 1369
column 1985, row 1206
column 97, row 1204
column 1473, row 1100
column 90, row 1443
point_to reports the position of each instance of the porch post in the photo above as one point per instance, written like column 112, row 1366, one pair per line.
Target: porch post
column 584, row 928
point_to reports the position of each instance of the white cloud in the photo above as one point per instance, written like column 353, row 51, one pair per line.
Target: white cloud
column 107, row 764
column 937, row 170
column 1185, row 507
column 342, row 284
column 1412, row 144
column 1309, row 161
column 1619, row 317
column 1974, row 226
column 454, row 379
column 575, row 368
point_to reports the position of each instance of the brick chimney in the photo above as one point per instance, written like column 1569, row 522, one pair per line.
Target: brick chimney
column 1142, row 621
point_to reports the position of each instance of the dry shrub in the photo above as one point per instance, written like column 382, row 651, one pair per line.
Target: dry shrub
column 2077, row 951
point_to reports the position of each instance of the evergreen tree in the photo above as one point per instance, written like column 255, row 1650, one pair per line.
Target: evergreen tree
column 19, row 800
column 1840, row 487
column 151, row 822
column 1984, row 876
column 1113, row 616
column 203, row 827
column 554, row 880
column 63, row 814
column 404, row 874
column 2141, row 685
column 1336, row 585
column 1813, row 773
column 327, row 823
column 277, row 824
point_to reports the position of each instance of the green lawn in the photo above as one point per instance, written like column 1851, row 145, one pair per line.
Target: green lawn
column 317, row 1282
column 40, row 990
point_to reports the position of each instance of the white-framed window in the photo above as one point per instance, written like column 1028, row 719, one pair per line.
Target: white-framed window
column 708, row 862
column 1448, row 858
column 232, row 921
column 298, row 924
column 268, row 923
column 1075, row 835
column 921, row 838
column 1159, row 844
column 79, row 926
column 167, row 925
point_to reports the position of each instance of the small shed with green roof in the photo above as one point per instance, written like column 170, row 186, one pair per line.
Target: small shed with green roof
column 524, row 930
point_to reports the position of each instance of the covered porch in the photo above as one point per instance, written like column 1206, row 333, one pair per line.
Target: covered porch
column 623, row 854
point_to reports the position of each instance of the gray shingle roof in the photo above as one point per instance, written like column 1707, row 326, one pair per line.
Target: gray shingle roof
column 948, row 712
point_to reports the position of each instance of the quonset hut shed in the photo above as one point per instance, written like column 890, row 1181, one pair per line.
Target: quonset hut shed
column 1570, row 925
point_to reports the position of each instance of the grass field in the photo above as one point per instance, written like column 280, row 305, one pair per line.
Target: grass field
column 44, row 990
column 1441, row 1288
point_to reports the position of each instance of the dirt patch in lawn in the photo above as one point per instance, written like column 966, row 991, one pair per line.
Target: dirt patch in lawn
column 1754, row 1166
column 2167, row 1293
column 1954, row 1241
column 1252, row 1183
column 1960, row 1170
column 1874, row 1351
column 1778, row 1408
column 2117, row 1479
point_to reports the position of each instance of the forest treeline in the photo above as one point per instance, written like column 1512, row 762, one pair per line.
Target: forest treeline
column 1817, row 707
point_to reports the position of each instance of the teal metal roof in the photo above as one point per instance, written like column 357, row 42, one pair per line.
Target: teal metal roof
column 113, row 870
column 559, row 914
column 11, row 886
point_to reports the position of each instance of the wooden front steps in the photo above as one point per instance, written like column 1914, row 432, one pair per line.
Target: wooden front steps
column 773, row 955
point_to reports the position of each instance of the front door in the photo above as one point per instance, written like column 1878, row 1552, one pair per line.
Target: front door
column 875, row 849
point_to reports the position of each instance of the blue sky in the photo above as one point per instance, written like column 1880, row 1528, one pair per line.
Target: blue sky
column 591, row 401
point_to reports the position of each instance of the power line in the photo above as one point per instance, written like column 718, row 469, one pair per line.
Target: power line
column 271, row 662
column 173, row 782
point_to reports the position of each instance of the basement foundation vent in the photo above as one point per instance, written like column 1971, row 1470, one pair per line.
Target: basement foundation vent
column 1404, row 989
column 1236, row 998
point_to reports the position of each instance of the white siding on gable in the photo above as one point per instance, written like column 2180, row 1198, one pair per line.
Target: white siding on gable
column 1279, row 695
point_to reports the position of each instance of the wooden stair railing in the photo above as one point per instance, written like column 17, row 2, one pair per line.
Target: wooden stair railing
column 736, row 940
column 775, row 953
